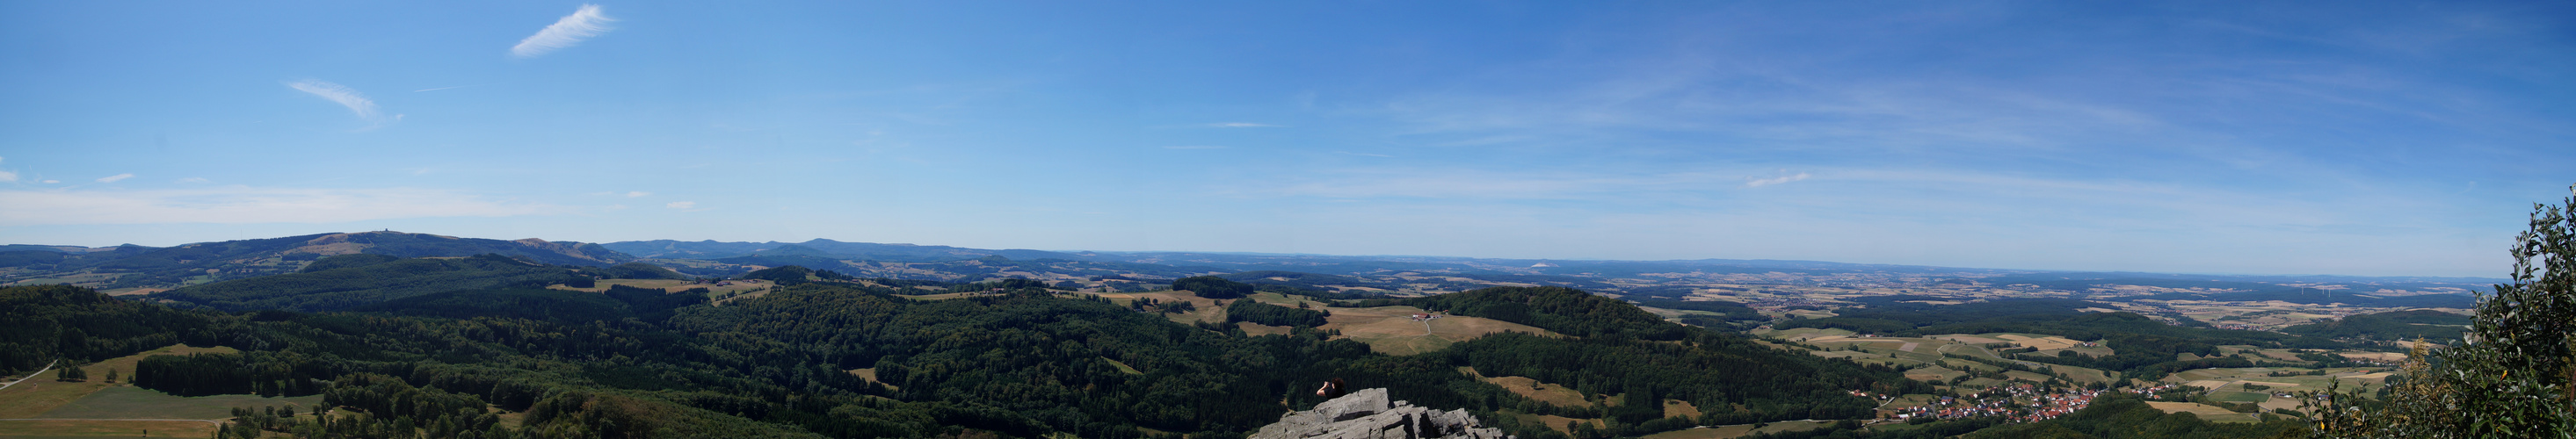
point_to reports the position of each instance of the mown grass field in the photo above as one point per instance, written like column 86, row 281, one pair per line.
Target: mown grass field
column 1533, row 389
column 35, row 397
column 87, row 429
column 1392, row 330
column 125, row 402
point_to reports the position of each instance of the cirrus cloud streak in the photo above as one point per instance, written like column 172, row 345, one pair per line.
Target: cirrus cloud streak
column 571, row 30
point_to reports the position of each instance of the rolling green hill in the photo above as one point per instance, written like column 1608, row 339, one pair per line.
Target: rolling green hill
column 192, row 264
column 377, row 280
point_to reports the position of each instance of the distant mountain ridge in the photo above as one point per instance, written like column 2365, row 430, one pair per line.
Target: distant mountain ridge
column 134, row 266
column 670, row 249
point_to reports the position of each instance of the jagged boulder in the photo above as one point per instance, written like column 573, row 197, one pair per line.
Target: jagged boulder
column 1368, row 414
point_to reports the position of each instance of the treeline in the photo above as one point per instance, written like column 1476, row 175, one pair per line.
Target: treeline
column 1248, row 310
column 1563, row 310
column 1729, row 314
column 44, row 323
column 1212, row 287
column 372, row 280
column 2429, row 325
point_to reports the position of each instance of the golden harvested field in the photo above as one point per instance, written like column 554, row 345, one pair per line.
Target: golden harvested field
column 31, row 399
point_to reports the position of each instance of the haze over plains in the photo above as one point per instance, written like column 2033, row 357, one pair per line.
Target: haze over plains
column 2359, row 138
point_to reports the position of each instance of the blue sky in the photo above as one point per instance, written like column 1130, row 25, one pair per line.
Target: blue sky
column 2359, row 138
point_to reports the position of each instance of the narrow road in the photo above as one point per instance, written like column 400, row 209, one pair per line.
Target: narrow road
column 48, row 366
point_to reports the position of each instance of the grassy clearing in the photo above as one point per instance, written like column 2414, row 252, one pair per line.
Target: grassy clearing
column 870, row 374
column 1554, row 422
column 2239, row 397
column 33, row 398
column 1208, row 310
column 1735, row 431
column 1675, row 407
column 1123, row 367
column 73, row 428
column 1392, row 330
column 1551, row 394
column 138, row 403
column 1256, row 329
column 2205, row 412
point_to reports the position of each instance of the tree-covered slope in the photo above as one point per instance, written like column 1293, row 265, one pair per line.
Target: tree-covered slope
column 1560, row 309
column 191, row 264
column 358, row 285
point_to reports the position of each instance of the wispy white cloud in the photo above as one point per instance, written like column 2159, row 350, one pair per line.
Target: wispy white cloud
column 347, row 97
column 46, row 181
column 1760, row 182
column 6, row 176
column 683, row 205
column 1482, row 184
column 567, row 32
column 637, row 194
column 1243, row 125
column 115, row 178
column 1194, row 147
column 247, row 205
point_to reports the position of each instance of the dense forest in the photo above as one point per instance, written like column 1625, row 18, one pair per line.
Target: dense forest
column 1564, row 310
column 1026, row 361
column 347, row 281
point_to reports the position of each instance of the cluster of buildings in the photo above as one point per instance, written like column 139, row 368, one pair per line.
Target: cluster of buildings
column 2150, row 392
column 2018, row 403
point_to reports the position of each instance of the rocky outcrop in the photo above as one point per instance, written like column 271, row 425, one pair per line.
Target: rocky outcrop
column 1368, row 414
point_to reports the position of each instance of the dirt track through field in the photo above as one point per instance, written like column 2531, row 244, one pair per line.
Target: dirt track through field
column 48, row 366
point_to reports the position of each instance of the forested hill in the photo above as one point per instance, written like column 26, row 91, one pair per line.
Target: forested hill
column 839, row 359
column 356, row 280
column 1560, row 309
column 170, row 267
column 665, row 248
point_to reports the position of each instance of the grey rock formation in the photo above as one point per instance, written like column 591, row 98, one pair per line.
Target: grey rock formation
column 1368, row 414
